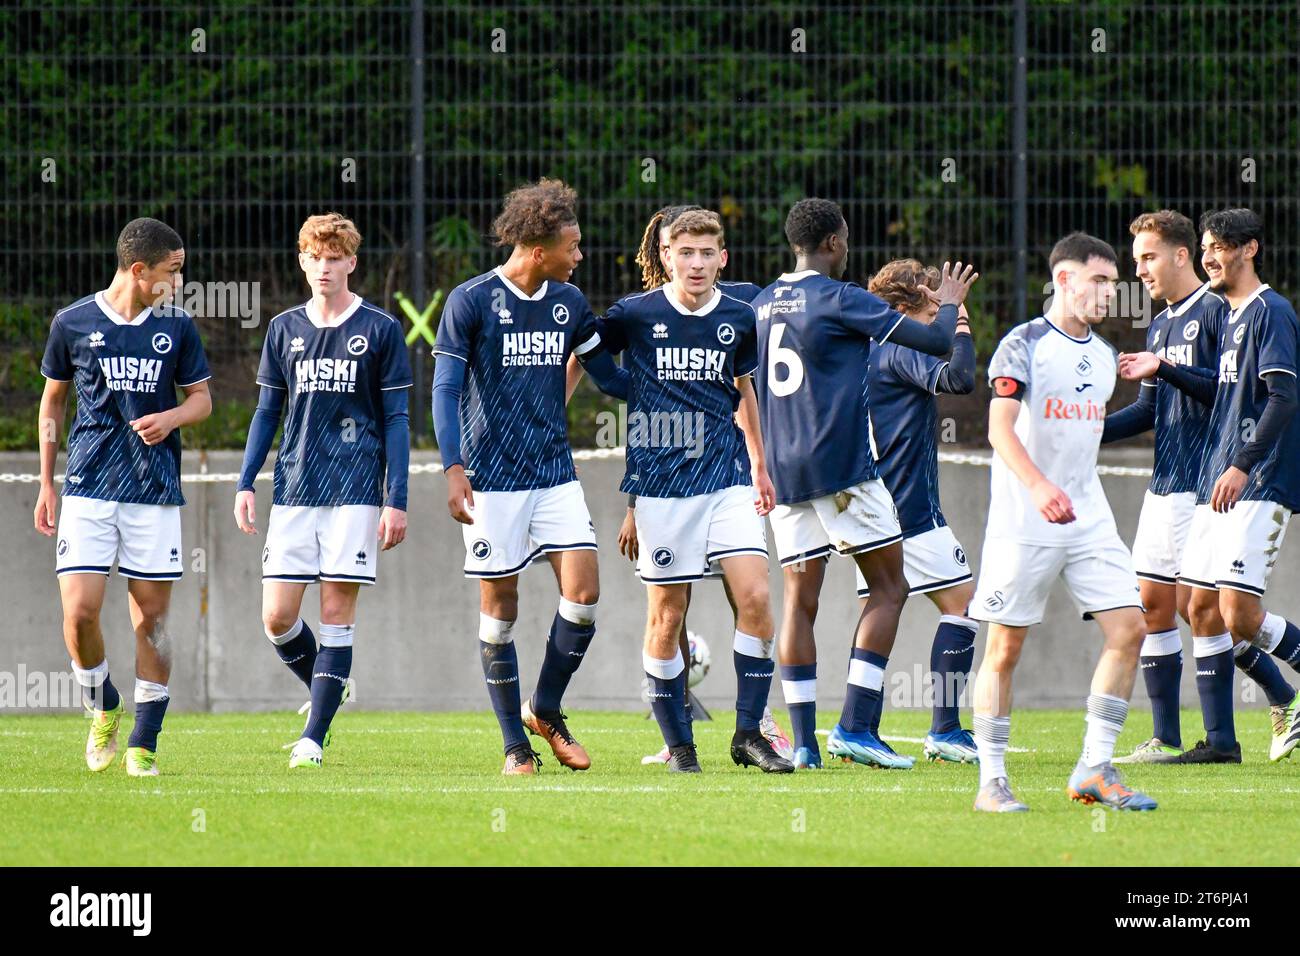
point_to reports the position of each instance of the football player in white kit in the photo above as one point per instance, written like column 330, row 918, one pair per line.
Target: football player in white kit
column 1049, row 519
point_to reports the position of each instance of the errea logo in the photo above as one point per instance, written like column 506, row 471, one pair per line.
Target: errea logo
column 95, row 339
column 660, row 330
column 503, row 317
column 295, row 344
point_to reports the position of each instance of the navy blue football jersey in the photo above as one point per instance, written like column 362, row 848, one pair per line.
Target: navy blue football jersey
column 1185, row 333
column 332, row 450
column 745, row 291
column 122, row 371
column 682, row 436
column 514, row 433
column 814, row 339
column 904, row 417
column 1258, row 338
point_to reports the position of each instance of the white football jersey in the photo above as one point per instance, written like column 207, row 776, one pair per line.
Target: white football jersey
column 1067, row 384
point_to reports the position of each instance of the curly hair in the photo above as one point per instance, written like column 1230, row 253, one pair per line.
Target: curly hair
column 899, row 283
column 534, row 214
column 810, row 221
column 332, row 232
column 653, row 273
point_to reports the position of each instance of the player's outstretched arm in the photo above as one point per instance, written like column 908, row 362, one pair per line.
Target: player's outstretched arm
column 261, row 433
column 1132, row 419
column 54, row 406
column 747, row 419
column 609, row 377
column 958, row 376
column 1052, row 503
column 448, row 382
column 197, row 406
column 937, row 337
column 1200, row 383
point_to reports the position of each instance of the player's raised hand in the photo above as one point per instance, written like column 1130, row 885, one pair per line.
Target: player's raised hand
column 47, row 507
column 1135, row 366
column 1228, row 489
column 764, row 494
column 1052, row 503
column 460, row 496
column 392, row 528
column 954, row 282
column 628, row 544
column 152, row 429
column 246, row 511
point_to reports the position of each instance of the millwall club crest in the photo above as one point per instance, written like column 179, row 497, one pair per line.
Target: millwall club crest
column 663, row 557
column 1191, row 330
column 357, row 345
column 726, row 333
column 959, row 556
column 560, row 314
column 1238, row 335
column 480, row 549
column 162, row 343
column 266, row 553
column 63, row 546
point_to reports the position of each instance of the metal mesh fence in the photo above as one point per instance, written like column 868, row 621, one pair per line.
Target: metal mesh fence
column 979, row 130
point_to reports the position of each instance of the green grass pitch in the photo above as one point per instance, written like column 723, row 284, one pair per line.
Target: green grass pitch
column 419, row 788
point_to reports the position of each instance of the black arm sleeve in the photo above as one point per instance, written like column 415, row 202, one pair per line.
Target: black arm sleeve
column 1200, row 383
column 932, row 339
column 1132, row 419
column 1277, row 415
column 958, row 376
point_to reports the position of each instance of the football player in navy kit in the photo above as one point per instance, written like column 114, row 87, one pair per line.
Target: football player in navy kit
column 125, row 350
column 1250, row 479
column 337, row 368
column 693, row 433
column 815, row 334
column 499, row 413
column 1186, row 332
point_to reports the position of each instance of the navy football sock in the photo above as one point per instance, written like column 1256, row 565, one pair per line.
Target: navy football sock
column 501, row 672
column 148, row 714
column 297, row 648
column 1214, row 683
column 799, row 686
column 864, row 695
column 97, row 690
column 571, row 633
column 1162, row 673
column 1263, row 670
column 668, row 697
column 1281, row 638
column 752, row 657
column 329, row 676
column 951, row 656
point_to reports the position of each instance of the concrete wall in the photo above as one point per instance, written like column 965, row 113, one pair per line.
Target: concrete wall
column 417, row 629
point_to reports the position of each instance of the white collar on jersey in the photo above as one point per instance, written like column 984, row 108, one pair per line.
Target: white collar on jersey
column 313, row 315
column 1067, row 334
column 1236, row 313
column 795, row 276
column 1190, row 301
column 705, row 309
column 107, row 309
column 537, row 296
